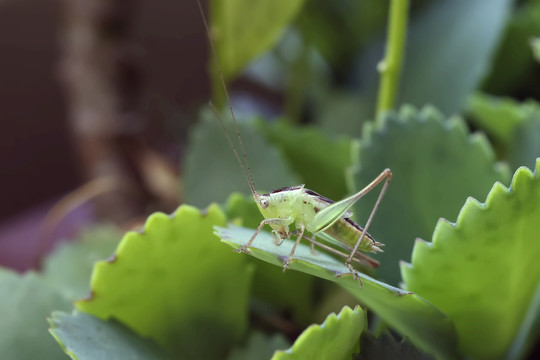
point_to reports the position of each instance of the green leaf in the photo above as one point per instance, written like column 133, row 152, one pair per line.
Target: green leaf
column 69, row 267
column 212, row 172
column 443, row 67
column 259, row 346
column 319, row 160
column 243, row 29
column 525, row 147
column 336, row 338
column 535, row 45
column 25, row 302
column 295, row 291
column 513, row 64
column 483, row 271
column 172, row 282
column 406, row 312
column 85, row 337
column 497, row 116
column 339, row 28
column 436, row 164
column 386, row 347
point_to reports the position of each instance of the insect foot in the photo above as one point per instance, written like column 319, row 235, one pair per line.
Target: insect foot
column 353, row 272
column 243, row 249
column 287, row 263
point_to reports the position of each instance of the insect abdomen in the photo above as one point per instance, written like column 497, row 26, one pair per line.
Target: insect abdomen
column 347, row 232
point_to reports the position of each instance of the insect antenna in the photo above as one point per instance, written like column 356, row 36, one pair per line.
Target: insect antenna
column 249, row 179
column 244, row 165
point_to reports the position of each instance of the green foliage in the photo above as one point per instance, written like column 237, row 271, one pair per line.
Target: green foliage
column 535, row 45
column 436, row 164
column 153, row 285
column 221, row 173
column 516, row 126
column 85, row 337
column 406, row 312
column 385, row 347
column 483, row 271
column 513, row 64
column 25, row 302
column 69, row 267
column 243, row 29
column 499, row 117
column 259, row 347
column 336, row 338
column 472, row 292
column 446, row 76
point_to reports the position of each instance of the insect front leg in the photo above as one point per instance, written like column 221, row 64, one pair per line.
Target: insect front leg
column 277, row 221
column 300, row 236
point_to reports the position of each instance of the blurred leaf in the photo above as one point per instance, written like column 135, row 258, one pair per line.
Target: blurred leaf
column 259, row 347
column 295, row 290
column 535, row 45
column 338, row 28
column 336, row 338
column 406, row 312
column 513, row 63
column 497, row 116
column 516, row 125
column 243, row 29
column 69, row 267
column 483, row 271
column 319, row 160
column 211, row 172
column 386, row 347
column 436, row 164
column 85, row 337
column 173, row 283
column 343, row 112
column 525, row 145
column 25, row 302
column 443, row 67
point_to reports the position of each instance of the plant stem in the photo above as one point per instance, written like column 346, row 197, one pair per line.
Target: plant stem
column 390, row 66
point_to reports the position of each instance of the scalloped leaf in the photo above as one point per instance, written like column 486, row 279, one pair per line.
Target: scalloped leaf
column 69, row 267
column 170, row 282
column 385, row 347
column 85, row 337
column 212, row 172
column 336, row 338
column 243, row 29
column 406, row 312
column 25, row 302
column 319, row 160
column 483, row 271
column 435, row 164
column 295, row 291
column 259, row 346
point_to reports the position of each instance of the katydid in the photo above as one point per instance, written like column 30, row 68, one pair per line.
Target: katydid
column 304, row 210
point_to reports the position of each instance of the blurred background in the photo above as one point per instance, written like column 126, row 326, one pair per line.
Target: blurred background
column 95, row 100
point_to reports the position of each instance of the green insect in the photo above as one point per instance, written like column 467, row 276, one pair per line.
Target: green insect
column 304, row 211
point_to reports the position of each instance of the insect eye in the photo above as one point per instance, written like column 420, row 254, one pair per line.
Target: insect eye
column 264, row 203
